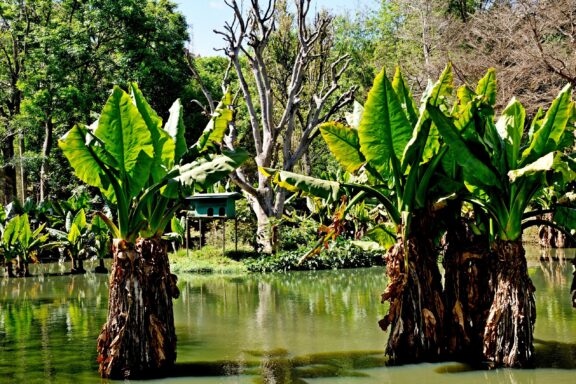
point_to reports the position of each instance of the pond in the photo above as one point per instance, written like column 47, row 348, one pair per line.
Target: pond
column 299, row 327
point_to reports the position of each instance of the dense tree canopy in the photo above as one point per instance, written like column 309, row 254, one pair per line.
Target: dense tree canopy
column 59, row 60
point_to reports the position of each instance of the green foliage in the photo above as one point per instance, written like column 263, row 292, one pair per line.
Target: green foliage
column 207, row 260
column 134, row 162
column 339, row 254
column 19, row 241
column 60, row 59
column 504, row 172
column 396, row 147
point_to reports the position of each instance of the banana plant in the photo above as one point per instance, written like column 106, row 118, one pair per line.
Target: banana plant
column 75, row 240
column 397, row 146
column 178, row 232
column 145, row 168
column 20, row 244
column 503, row 172
column 101, row 239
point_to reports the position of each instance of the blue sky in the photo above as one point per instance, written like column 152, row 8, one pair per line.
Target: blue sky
column 206, row 15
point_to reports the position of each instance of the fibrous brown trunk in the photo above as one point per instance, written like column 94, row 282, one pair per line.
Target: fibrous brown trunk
column 416, row 315
column 101, row 268
column 10, row 269
column 509, row 332
column 551, row 237
column 468, row 291
column 139, row 339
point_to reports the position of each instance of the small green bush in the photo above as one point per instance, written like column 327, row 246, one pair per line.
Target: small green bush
column 340, row 254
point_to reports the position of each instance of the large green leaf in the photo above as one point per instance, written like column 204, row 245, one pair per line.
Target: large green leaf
column 405, row 96
column 80, row 220
column 10, row 235
column 384, row 130
column 216, row 129
column 324, row 189
column 344, row 144
column 486, row 87
column 424, row 143
column 565, row 217
column 553, row 161
column 475, row 170
column 25, row 233
column 443, row 88
column 86, row 168
column 203, row 172
column 547, row 137
column 99, row 226
column 161, row 140
column 510, row 126
column 353, row 119
column 74, row 234
column 175, row 128
column 127, row 139
column 383, row 234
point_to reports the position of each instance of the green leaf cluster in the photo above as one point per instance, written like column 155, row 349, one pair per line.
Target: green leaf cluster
column 138, row 163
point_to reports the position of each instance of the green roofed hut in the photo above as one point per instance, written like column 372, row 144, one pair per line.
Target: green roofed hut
column 213, row 206
column 217, row 205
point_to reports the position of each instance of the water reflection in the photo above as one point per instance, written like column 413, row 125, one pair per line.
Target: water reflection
column 301, row 327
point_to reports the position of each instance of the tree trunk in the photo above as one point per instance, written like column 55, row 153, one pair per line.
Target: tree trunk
column 469, row 277
column 9, row 170
column 139, row 339
column 416, row 314
column 46, row 147
column 20, row 174
column 264, row 230
column 549, row 237
column 101, row 268
column 573, row 285
column 10, row 269
column 509, row 333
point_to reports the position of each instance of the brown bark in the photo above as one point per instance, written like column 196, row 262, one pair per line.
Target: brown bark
column 9, row 170
column 468, row 291
column 101, row 268
column 549, row 237
column 10, row 269
column 139, row 339
column 509, row 332
column 416, row 314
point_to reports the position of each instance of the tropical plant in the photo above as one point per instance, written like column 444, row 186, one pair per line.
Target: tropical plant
column 102, row 243
column 399, row 149
column 20, row 244
column 504, row 172
column 178, row 232
column 145, row 170
column 75, row 240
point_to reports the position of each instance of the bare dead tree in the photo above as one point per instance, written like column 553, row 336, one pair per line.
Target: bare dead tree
column 532, row 45
column 283, row 115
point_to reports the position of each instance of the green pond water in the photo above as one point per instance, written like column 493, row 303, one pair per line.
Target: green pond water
column 299, row 327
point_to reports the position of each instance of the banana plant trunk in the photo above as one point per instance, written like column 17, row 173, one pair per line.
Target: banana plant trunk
column 469, row 276
column 509, row 332
column 415, row 319
column 138, row 339
column 549, row 237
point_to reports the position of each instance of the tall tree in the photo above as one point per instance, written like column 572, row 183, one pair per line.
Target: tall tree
column 15, row 28
column 74, row 53
column 290, row 85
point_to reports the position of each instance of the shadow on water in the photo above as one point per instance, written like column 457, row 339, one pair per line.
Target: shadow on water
column 277, row 366
column 555, row 354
